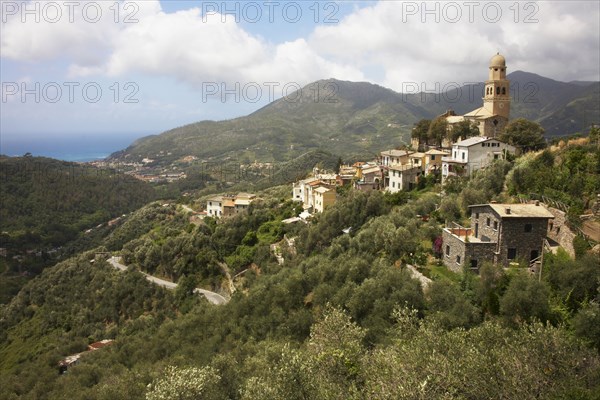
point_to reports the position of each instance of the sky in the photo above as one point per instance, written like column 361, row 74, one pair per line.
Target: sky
column 76, row 69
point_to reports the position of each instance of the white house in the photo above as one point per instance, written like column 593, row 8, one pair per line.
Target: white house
column 214, row 207
column 472, row 154
column 302, row 190
column 223, row 206
column 402, row 177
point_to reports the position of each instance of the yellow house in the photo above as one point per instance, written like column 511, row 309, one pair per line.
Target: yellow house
column 433, row 160
column 324, row 197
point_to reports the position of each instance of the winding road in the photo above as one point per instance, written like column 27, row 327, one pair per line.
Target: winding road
column 212, row 297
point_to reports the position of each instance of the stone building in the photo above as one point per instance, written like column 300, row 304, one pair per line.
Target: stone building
column 499, row 233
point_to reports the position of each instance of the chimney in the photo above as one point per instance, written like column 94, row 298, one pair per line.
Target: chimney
column 507, row 210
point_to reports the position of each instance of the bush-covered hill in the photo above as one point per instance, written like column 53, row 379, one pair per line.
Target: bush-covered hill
column 47, row 205
column 47, row 202
column 341, row 318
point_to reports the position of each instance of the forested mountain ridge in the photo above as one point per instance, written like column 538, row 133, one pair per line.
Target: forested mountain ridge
column 339, row 319
column 349, row 118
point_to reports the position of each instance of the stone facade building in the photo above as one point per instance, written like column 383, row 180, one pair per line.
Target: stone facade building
column 499, row 233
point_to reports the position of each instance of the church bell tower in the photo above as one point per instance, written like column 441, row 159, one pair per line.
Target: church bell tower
column 497, row 94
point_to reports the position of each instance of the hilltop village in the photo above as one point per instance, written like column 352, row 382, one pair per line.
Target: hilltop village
column 465, row 252
column 499, row 233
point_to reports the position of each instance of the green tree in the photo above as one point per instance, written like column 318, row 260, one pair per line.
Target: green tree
column 420, row 131
column 464, row 130
column 185, row 384
column 438, row 131
column 449, row 307
column 525, row 299
column 527, row 135
column 586, row 324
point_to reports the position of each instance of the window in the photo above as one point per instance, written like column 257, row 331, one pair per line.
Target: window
column 503, row 90
column 476, row 215
column 458, row 259
column 512, row 253
column 487, row 221
column 433, row 157
column 495, row 225
column 482, row 144
column 447, row 250
column 463, row 156
column 528, row 227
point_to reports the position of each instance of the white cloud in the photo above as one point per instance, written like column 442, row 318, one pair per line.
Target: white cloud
column 563, row 44
column 384, row 36
column 185, row 45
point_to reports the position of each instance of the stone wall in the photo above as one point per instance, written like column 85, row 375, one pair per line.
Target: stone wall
column 514, row 236
column 560, row 232
column 480, row 216
column 451, row 248
column 454, row 247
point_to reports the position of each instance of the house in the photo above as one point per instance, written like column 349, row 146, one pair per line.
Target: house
column 323, row 198
column 472, row 154
column 417, row 159
column 371, row 177
column 242, row 202
column 225, row 206
column 214, row 207
column 402, row 177
column 499, row 233
column 433, row 161
column 394, row 157
column 300, row 189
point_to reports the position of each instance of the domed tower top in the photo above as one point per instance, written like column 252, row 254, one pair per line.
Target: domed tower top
column 497, row 67
column 498, row 61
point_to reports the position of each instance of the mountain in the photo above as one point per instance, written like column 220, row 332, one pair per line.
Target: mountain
column 359, row 118
column 335, row 116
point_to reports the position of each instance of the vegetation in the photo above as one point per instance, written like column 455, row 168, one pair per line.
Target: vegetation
column 524, row 134
column 47, row 205
column 570, row 175
column 341, row 318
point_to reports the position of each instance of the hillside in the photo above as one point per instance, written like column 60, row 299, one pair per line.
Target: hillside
column 349, row 118
column 48, row 204
column 338, row 319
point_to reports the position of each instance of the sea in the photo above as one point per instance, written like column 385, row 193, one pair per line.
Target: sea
column 84, row 148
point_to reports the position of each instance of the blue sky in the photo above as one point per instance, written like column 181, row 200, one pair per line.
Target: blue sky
column 136, row 68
